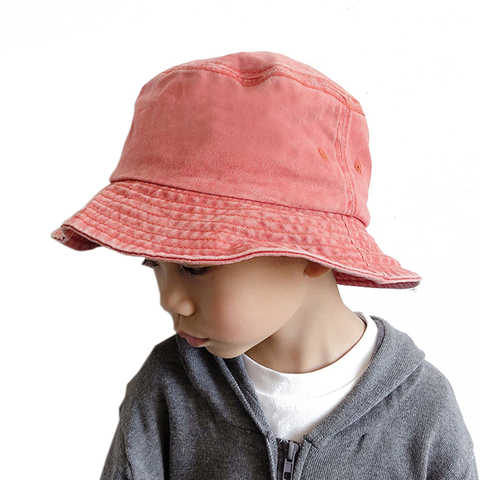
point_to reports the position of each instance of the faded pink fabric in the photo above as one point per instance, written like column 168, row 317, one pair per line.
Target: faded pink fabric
column 234, row 157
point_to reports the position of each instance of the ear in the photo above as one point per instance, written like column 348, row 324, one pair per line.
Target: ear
column 313, row 269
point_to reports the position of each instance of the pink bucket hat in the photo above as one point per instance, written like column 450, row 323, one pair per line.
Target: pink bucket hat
column 250, row 154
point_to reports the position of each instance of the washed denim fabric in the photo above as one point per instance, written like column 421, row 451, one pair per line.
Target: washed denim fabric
column 250, row 154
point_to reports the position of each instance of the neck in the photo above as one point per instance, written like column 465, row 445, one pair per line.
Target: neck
column 321, row 332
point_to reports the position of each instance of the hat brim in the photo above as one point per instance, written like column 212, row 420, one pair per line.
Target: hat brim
column 174, row 225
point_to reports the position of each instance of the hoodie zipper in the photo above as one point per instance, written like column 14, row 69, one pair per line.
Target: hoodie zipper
column 287, row 452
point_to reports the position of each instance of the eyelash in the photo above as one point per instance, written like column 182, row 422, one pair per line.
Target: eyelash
column 192, row 272
column 150, row 263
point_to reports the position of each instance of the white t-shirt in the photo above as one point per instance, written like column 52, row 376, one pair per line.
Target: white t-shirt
column 295, row 402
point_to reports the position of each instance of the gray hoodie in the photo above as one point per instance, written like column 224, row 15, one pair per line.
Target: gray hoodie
column 188, row 414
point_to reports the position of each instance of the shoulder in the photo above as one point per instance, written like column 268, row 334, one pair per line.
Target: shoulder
column 435, row 395
column 164, row 356
column 162, row 367
column 425, row 403
column 421, row 384
column 435, row 385
column 438, row 416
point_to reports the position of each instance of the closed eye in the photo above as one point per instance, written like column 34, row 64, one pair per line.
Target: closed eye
column 150, row 263
column 193, row 272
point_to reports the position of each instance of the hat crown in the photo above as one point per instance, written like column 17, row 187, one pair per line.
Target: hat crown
column 257, row 126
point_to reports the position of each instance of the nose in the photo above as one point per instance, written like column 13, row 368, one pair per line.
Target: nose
column 176, row 304
column 174, row 296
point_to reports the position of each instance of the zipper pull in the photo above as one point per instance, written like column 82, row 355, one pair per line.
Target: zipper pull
column 289, row 462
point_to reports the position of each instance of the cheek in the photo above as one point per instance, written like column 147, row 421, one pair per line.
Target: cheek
column 231, row 317
column 248, row 310
column 231, row 311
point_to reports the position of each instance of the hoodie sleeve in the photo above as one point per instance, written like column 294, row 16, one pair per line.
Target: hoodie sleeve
column 471, row 472
column 453, row 472
column 139, row 446
column 117, row 466
column 451, row 453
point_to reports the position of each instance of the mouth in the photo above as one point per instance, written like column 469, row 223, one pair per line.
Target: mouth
column 193, row 341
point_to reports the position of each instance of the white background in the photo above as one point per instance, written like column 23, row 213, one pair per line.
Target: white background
column 77, row 326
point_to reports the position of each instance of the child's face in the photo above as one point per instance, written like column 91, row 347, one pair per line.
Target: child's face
column 232, row 308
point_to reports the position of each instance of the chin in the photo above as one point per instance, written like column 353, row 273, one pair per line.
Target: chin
column 224, row 352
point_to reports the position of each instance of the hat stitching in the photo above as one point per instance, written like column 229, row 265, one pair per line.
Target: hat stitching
column 366, row 278
column 309, row 81
column 344, row 97
column 190, row 230
column 339, row 149
column 305, row 220
column 299, row 253
column 362, row 239
column 280, row 222
column 234, row 234
column 256, row 204
column 353, row 245
column 341, row 270
column 347, row 170
column 361, row 235
column 366, row 281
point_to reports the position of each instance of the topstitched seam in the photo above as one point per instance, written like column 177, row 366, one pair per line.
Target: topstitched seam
column 284, row 71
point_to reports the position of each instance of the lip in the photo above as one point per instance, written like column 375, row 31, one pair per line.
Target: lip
column 193, row 341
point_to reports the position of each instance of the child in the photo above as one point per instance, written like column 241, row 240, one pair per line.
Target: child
column 243, row 183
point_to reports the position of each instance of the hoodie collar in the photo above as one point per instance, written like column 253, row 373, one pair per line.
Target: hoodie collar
column 396, row 358
column 225, row 383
